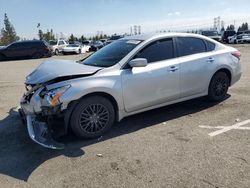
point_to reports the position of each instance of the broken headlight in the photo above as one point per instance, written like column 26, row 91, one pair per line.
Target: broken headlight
column 52, row 96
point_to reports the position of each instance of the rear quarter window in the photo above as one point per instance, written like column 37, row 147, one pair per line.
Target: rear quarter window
column 190, row 45
column 210, row 46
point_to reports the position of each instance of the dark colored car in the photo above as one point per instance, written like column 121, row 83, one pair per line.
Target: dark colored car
column 75, row 42
column 95, row 46
column 212, row 34
column 26, row 49
column 113, row 38
column 227, row 34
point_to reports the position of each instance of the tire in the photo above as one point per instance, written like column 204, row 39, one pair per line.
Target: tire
column 92, row 117
column 218, row 87
column 56, row 52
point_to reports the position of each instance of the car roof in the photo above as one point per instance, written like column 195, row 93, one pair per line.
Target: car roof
column 29, row 41
column 160, row 35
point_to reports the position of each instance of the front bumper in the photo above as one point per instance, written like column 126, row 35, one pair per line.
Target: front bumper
column 39, row 131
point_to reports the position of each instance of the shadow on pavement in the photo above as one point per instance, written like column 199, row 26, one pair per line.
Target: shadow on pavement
column 20, row 156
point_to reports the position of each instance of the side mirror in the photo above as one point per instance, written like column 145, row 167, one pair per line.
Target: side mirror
column 139, row 62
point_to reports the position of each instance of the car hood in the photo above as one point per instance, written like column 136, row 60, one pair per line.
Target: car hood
column 59, row 70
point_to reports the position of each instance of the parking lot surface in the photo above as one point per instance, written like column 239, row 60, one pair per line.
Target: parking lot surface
column 190, row 144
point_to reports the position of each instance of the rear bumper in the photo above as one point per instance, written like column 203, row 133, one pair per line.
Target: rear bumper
column 236, row 78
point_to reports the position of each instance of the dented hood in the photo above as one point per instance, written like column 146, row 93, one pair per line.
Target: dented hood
column 56, row 69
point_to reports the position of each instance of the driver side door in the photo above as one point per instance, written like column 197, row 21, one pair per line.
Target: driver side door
column 157, row 83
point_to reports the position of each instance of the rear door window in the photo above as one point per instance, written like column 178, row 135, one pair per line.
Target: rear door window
column 157, row 51
column 190, row 45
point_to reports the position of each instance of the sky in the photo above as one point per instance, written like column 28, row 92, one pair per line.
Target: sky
column 87, row 17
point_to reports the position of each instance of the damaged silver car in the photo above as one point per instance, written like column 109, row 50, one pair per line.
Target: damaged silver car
column 131, row 75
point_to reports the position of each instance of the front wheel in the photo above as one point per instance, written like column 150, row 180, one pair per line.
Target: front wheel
column 92, row 117
column 218, row 87
column 56, row 52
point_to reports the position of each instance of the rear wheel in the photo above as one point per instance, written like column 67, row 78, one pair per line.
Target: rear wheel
column 92, row 117
column 218, row 86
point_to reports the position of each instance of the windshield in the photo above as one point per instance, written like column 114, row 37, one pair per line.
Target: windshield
column 111, row 54
column 210, row 33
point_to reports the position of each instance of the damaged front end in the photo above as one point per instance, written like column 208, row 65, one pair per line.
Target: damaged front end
column 38, row 107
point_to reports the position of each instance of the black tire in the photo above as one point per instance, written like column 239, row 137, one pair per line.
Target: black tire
column 92, row 117
column 56, row 52
column 218, row 87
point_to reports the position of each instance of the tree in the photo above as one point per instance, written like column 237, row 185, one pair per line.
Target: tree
column 72, row 38
column 230, row 27
column 49, row 35
column 243, row 27
column 8, row 33
column 82, row 38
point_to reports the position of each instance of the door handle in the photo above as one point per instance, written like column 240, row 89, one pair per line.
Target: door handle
column 210, row 60
column 173, row 69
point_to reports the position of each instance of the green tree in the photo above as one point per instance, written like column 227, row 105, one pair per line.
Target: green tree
column 82, row 38
column 243, row 27
column 230, row 27
column 72, row 38
column 8, row 33
column 49, row 35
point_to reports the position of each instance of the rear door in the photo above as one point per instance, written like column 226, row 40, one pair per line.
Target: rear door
column 156, row 83
column 197, row 62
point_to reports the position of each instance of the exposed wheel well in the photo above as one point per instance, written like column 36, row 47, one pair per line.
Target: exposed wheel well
column 227, row 72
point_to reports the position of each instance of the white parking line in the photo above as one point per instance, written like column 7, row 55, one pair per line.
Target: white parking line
column 224, row 129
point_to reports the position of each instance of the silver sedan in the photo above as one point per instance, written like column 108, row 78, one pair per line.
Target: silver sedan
column 128, row 76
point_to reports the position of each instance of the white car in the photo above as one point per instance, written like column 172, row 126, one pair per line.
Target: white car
column 75, row 49
column 128, row 76
column 232, row 39
column 243, row 38
column 58, row 45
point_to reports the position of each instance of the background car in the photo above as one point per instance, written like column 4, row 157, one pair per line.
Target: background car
column 96, row 45
column 113, row 38
column 75, row 49
column 226, row 34
column 26, row 49
column 75, row 42
column 243, row 38
column 58, row 45
column 212, row 34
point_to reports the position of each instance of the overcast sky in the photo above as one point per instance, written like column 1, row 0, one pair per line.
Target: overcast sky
column 116, row 16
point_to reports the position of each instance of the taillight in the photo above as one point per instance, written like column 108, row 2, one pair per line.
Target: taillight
column 237, row 54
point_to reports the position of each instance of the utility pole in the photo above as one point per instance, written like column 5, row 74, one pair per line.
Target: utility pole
column 135, row 29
